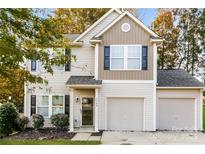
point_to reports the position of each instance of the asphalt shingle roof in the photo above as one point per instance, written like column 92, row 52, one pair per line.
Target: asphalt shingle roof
column 83, row 80
column 176, row 78
column 71, row 37
column 165, row 78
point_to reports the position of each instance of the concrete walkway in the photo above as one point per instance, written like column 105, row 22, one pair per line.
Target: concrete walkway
column 152, row 138
column 85, row 137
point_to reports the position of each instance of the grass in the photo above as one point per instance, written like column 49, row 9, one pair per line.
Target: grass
column 204, row 118
column 9, row 141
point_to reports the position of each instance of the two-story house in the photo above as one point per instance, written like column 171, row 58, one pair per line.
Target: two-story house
column 114, row 84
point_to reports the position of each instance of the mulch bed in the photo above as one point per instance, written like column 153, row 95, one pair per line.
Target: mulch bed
column 97, row 133
column 42, row 134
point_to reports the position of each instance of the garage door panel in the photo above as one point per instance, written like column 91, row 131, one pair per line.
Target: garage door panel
column 176, row 114
column 125, row 114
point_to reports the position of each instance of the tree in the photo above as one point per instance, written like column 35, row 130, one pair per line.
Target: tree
column 183, row 31
column 164, row 26
column 77, row 20
column 25, row 35
column 189, row 43
column 13, row 89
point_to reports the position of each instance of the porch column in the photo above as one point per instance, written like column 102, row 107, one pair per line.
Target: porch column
column 71, row 110
column 96, row 109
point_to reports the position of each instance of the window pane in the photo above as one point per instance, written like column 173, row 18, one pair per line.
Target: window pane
column 43, row 111
column 43, row 100
column 134, row 51
column 117, row 51
column 133, row 63
column 57, row 100
column 117, row 63
column 57, row 110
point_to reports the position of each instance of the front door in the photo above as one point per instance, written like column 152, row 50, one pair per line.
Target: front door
column 87, row 111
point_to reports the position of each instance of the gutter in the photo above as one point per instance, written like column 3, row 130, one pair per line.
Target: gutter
column 180, row 87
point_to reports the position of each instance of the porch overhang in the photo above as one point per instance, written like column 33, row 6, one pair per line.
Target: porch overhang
column 84, row 86
column 83, row 82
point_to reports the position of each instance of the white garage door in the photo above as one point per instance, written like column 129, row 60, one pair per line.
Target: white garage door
column 125, row 114
column 176, row 114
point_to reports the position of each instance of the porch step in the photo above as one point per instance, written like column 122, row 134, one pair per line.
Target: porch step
column 81, row 137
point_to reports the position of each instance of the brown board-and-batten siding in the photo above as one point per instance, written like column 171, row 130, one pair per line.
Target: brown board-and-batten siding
column 114, row 36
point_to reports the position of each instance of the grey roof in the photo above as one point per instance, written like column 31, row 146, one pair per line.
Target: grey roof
column 71, row 37
column 176, row 78
column 96, row 38
column 83, row 80
column 153, row 37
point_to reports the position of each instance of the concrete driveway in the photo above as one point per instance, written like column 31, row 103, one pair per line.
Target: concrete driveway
column 151, row 138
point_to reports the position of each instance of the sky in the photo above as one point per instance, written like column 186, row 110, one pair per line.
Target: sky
column 146, row 15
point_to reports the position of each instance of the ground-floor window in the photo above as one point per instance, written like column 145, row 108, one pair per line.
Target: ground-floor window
column 57, row 104
column 43, row 105
column 48, row 105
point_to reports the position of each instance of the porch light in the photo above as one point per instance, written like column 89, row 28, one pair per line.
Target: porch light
column 77, row 99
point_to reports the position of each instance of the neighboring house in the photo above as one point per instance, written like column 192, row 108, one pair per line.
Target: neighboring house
column 115, row 84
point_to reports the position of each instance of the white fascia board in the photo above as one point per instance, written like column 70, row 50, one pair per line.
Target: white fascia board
column 95, row 41
column 127, row 81
column 156, row 40
column 180, row 87
column 84, row 86
column 133, row 18
column 96, row 23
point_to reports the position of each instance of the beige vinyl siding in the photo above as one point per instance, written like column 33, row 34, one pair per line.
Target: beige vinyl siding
column 104, row 23
column 183, row 94
column 57, row 82
column 114, row 36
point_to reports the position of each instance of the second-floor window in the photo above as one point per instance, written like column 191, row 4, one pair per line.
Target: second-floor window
column 125, row 57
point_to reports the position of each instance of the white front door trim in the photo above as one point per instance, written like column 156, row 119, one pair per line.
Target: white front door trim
column 87, row 96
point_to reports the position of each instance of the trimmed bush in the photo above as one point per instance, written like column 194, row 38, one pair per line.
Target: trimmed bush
column 60, row 120
column 37, row 121
column 22, row 123
column 8, row 118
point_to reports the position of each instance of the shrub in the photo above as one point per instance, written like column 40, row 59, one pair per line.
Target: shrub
column 60, row 120
column 8, row 118
column 37, row 121
column 21, row 123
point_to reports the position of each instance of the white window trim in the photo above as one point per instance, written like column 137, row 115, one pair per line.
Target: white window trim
column 57, row 106
column 126, row 58
column 40, row 68
column 40, row 95
column 50, row 106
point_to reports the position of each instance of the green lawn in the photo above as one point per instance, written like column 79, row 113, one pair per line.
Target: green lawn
column 7, row 141
column 204, row 117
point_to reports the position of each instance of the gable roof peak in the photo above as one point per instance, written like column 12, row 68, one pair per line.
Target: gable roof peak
column 97, row 22
column 152, row 33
